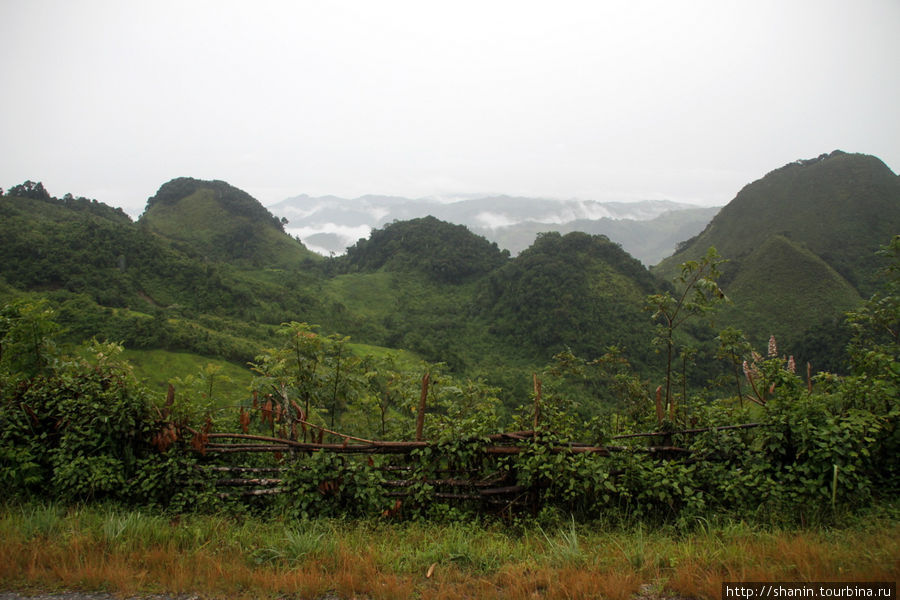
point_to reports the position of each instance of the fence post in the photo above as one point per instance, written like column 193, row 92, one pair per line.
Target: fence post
column 660, row 410
column 420, row 416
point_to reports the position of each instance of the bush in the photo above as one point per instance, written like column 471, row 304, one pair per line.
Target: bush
column 76, row 430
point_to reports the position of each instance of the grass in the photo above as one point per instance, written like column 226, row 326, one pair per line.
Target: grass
column 51, row 547
column 368, row 295
column 797, row 284
column 156, row 368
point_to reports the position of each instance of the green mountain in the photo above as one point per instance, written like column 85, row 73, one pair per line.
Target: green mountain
column 218, row 222
column 799, row 288
column 575, row 290
column 175, row 281
column 52, row 245
column 112, row 278
column 444, row 252
column 801, row 242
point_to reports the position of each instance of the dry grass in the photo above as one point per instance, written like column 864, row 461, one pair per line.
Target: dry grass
column 93, row 549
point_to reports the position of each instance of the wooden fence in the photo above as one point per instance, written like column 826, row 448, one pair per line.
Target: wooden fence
column 484, row 479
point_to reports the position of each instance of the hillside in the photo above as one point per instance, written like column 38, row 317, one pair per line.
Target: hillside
column 827, row 216
column 169, row 283
column 111, row 278
column 216, row 221
column 444, row 252
column 208, row 270
column 436, row 287
column 810, row 288
column 575, row 291
column 51, row 245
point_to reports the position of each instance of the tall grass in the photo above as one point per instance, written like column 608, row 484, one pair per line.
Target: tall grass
column 48, row 546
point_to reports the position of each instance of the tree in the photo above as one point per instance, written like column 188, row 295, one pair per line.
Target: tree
column 875, row 344
column 733, row 346
column 30, row 189
column 27, row 338
column 698, row 293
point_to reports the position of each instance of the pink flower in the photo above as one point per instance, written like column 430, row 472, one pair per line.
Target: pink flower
column 792, row 366
column 773, row 348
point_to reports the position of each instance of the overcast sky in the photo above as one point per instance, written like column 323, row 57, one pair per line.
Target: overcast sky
column 596, row 100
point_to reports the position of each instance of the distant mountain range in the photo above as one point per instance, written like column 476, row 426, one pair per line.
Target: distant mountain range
column 649, row 230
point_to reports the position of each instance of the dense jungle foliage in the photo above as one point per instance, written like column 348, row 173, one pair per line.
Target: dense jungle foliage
column 75, row 424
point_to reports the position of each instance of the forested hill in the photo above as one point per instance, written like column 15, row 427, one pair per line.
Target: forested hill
column 178, row 280
column 574, row 291
column 111, row 278
column 231, row 200
column 801, row 243
column 444, row 252
column 842, row 207
column 216, row 221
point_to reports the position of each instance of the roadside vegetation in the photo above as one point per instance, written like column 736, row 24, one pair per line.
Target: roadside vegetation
column 50, row 546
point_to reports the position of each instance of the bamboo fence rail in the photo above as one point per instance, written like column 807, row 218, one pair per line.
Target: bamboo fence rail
column 487, row 479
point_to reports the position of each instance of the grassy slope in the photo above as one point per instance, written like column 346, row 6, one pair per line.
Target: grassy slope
column 801, row 242
column 199, row 224
column 434, row 323
column 799, row 289
column 157, row 368
column 408, row 306
column 370, row 296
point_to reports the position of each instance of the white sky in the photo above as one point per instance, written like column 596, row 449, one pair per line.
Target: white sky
column 601, row 99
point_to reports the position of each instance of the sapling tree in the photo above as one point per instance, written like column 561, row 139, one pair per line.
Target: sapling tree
column 290, row 379
column 309, row 379
column 875, row 344
column 733, row 346
column 697, row 293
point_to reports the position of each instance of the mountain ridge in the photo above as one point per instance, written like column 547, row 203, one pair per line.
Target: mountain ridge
column 830, row 213
column 330, row 224
column 177, row 279
column 835, row 201
column 218, row 221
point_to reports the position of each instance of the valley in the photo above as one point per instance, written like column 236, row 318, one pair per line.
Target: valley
column 199, row 383
column 209, row 271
